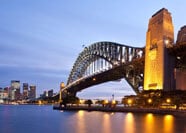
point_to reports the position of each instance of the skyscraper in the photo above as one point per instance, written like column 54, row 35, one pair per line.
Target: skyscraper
column 15, row 90
column 25, row 90
column 32, row 93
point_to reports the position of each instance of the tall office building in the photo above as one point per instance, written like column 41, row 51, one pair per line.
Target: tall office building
column 15, row 90
column 32, row 92
column 25, row 90
column 50, row 93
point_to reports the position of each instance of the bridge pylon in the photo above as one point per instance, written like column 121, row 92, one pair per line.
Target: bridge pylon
column 159, row 65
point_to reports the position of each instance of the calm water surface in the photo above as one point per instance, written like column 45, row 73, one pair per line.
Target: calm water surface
column 43, row 119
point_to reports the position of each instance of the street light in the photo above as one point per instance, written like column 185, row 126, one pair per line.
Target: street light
column 105, row 101
column 113, row 101
column 168, row 100
column 149, row 100
column 129, row 101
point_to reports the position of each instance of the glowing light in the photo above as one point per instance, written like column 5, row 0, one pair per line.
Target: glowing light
column 149, row 100
column 105, row 101
column 168, row 124
column 106, row 124
column 166, row 41
column 113, row 102
column 62, row 85
column 40, row 102
column 149, row 122
column 168, row 100
column 129, row 120
column 81, row 101
column 178, row 57
column 81, row 113
column 129, row 101
column 80, row 121
column 94, row 79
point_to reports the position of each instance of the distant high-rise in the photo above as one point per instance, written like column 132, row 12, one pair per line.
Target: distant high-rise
column 15, row 90
column 32, row 93
column 50, row 93
column 25, row 90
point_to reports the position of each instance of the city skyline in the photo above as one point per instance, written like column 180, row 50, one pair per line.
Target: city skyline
column 40, row 41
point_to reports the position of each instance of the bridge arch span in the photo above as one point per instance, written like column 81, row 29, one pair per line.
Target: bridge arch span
column 118, row 57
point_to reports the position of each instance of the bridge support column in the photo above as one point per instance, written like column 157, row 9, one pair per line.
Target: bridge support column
column 158, row 64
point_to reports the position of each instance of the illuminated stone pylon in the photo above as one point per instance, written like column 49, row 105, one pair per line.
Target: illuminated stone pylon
column 62, row 85
column 159, row 65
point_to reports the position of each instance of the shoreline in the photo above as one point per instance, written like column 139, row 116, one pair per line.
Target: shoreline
column 124, row 110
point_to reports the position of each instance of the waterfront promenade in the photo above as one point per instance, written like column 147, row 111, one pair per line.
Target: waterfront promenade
column 124, row 109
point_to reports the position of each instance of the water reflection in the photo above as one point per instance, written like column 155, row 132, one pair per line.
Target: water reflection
column 106, row 127
column 132, row 123
column 168, row 124
column 149, row 123
column 44, row 119
column 129, row 123
column 81, row 122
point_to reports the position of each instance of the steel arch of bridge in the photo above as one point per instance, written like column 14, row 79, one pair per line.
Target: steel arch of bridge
column 117, row 55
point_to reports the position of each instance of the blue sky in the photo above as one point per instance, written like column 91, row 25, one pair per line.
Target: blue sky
column 40, row 40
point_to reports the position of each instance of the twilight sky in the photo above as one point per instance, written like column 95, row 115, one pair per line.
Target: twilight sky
column 41, row 39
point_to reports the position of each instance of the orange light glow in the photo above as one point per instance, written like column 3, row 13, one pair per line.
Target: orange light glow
column 113, row 102
column 106, row 124
column 168, row 124
column 105, row 101
column 168, row 100
column 149, row 100
column 129, row 101
column 80, row 121
column 129, row 123
column 40, row 102
column 149, row 122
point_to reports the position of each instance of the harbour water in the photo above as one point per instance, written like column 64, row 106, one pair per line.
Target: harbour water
column 43, row 119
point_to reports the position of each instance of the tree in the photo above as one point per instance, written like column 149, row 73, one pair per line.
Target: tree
column 70, row 99
column 89, row 102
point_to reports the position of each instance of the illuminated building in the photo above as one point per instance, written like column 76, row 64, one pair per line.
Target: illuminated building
column 15, row 90
column 62, row 85
column 159, row 65
column 3, row 95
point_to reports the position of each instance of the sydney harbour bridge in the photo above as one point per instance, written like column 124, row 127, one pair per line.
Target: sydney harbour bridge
column 108, row 61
